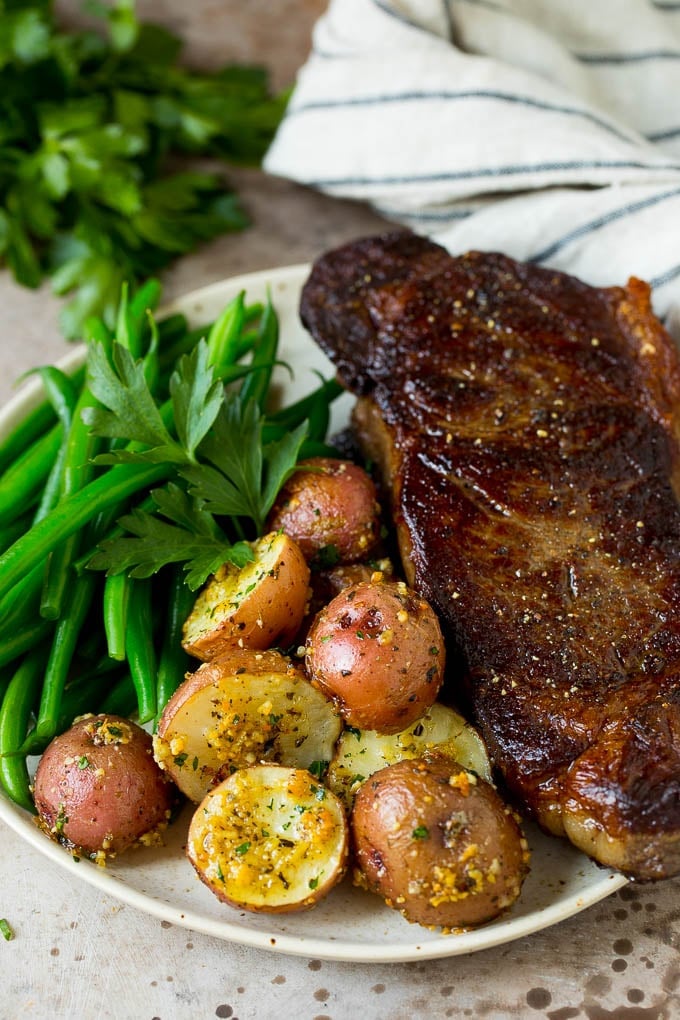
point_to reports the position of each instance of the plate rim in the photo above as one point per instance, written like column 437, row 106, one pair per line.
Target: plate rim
column 488, row 936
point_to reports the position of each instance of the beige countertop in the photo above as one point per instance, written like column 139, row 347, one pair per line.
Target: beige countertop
column 80, row 954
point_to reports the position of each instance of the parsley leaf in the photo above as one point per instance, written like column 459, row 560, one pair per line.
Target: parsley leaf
column 181, row 532
column 212, row 437
column 88, row 126
column 246, row 475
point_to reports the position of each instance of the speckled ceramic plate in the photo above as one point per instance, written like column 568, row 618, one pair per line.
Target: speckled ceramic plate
column 349, row 924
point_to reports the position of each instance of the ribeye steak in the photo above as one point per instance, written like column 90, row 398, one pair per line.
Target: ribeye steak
column 527, row 427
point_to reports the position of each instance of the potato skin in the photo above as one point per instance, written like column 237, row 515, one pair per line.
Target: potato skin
column 437, row 843
column 251, row 607
column 241, row 708
column 98, row 788
column 377, row 650
column 329, row 503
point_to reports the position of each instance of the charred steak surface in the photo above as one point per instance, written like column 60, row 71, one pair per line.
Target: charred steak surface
column 527, row 429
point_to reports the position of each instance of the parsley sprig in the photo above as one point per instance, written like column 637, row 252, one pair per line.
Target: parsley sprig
column 88, row 122
column 225, row 476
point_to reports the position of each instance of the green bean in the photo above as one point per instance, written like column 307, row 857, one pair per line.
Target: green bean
column 32, row 426
column 115, row 612
column 256, row 385
column 133, row 315
column 139, row 649
column 11, row 532
column 77, row 471
column 24, row 478
column 15, row 713
column 294, row 414
column 17, row 643
column 226, row 331
column 121, row 699
column 173, row 661
column 65, row 641
column 96, row 331
column 184, row 343
column 111, row 489
column 21, row 604
column 63, row 397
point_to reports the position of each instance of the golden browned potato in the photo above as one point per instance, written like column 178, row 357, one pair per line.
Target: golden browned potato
column 98, row 789
column 269, row 838
column 360, row 753
column 254, row 606
column 330, row 507
column 240, row 709
column 377, row 650
column 437, row 843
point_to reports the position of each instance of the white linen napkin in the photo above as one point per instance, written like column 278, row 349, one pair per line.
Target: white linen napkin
column 547, row 129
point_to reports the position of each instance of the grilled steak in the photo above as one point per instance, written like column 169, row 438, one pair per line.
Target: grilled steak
column 527, row 427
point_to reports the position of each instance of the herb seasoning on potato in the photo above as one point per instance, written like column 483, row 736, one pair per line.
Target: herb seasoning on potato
column 438, row 843
column 377, row 650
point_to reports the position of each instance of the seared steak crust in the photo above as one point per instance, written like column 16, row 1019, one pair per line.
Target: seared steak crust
column 528, row 431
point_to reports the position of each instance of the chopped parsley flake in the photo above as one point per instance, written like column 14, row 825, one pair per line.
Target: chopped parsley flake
column 318, row 768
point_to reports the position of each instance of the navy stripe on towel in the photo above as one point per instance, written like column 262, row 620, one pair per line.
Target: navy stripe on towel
column 602, row 221
column 446, row 96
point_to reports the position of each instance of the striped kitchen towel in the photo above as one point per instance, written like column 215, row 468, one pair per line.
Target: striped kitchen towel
column 547, row 129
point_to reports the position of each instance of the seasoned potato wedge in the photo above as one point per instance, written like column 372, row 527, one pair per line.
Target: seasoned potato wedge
column 241, row 709
column 254, row 606
column 269, row 838
column 360, row 753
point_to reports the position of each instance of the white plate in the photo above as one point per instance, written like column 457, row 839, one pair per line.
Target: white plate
column 349, row 924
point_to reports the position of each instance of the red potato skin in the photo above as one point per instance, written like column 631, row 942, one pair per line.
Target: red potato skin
column 437, row 843
column 97, row 793
column 327, row 503
column 377, row 650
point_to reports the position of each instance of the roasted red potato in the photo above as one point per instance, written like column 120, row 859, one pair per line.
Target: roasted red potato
column 330, row 508
column 254, row 606
column 269, row 838
column 437, row 843
column 243, row 708
column 377, row 650
column 98, row 789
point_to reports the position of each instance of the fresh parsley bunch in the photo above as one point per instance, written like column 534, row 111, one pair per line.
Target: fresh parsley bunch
column 88, row 124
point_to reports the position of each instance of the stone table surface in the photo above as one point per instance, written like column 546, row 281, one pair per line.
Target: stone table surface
column 80, row 954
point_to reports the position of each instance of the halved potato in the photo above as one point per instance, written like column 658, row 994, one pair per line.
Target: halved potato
column 241, row 709
column 437, row 843
column 360, row 753
column 254, row 606
column 269, row 838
